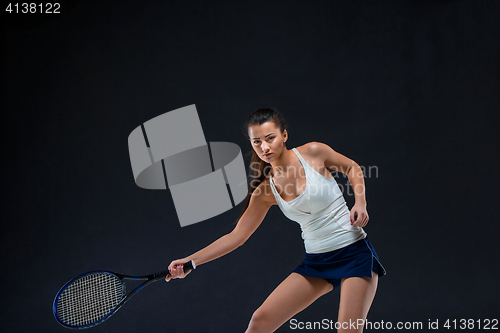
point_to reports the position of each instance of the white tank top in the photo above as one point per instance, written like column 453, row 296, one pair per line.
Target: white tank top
column 321, row 212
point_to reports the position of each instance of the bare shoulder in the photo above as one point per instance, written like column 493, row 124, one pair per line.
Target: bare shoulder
column 263, row 194
column 315, row 149
column 323, row 153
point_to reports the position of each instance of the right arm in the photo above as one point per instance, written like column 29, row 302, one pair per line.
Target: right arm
column 259, row 204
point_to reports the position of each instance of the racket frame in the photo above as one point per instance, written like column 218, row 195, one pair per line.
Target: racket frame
column 188, row 266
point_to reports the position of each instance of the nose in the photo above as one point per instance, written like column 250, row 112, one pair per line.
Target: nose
column 265, row 147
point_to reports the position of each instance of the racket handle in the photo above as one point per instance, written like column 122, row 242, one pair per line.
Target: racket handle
column 188, row 266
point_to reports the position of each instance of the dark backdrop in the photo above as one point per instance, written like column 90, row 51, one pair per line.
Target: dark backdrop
column 408, row 88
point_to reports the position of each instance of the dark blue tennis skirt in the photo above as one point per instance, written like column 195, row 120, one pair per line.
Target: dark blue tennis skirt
column 356, row 259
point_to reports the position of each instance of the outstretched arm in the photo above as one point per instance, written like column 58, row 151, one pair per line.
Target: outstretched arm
column 254, row 215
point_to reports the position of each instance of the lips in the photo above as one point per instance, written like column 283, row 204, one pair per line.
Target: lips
column 267, row 155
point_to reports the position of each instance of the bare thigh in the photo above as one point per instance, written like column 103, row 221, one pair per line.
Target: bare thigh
column 356, row 297
column 293, row 295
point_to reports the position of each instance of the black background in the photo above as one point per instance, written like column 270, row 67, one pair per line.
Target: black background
column 406, row 87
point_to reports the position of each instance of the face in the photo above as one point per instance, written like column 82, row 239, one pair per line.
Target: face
column 267, row 140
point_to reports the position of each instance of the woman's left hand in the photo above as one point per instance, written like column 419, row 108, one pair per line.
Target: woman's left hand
column 359, row 215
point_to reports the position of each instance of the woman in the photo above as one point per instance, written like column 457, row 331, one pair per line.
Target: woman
column 338, row 252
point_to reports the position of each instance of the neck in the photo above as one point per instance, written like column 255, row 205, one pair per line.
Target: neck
column 281, row 164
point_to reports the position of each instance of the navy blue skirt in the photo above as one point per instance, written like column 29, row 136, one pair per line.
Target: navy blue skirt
column 356, row 259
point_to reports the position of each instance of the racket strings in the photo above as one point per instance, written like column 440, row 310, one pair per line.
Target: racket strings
column 89, row 299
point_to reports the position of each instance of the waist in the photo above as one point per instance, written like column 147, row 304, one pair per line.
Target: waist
column 331, row 233
column 334, row 242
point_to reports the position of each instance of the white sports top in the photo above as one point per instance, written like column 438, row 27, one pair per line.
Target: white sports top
column 321, row 212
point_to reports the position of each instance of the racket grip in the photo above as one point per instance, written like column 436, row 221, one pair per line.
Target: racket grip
column 187, row 267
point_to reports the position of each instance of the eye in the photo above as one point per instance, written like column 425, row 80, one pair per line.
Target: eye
column 271, row 137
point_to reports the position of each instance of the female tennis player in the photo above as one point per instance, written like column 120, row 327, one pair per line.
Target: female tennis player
column 338, row 252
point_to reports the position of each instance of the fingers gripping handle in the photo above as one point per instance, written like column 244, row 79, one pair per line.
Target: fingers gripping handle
column 187, row 267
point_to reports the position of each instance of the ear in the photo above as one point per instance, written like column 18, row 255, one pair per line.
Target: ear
column 285, row 135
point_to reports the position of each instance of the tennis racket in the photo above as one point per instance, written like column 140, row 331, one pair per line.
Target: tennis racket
column 91, row 298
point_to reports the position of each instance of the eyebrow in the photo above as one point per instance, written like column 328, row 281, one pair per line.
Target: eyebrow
column 265, row 136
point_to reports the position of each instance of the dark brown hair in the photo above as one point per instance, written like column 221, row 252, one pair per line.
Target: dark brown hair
column 257, row 175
